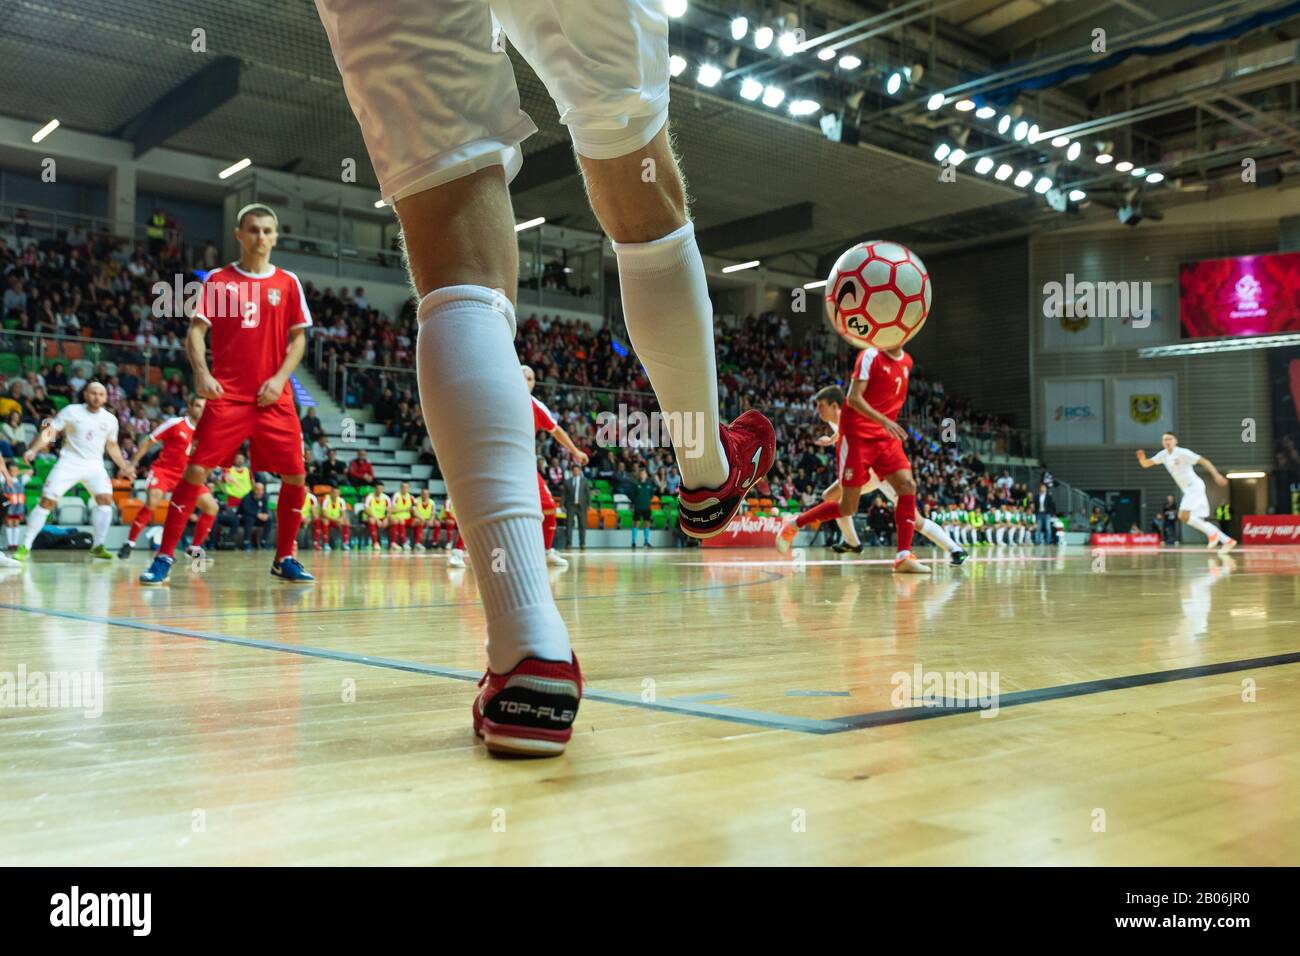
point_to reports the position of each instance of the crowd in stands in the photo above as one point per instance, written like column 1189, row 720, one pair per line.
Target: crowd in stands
column 84, row 286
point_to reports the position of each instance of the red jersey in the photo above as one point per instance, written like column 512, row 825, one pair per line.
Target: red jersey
column 251, row 316
column 175, row 435
column 886, row 391
column 543, row 420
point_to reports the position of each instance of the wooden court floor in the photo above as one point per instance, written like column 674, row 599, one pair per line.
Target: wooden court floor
column 740, row 709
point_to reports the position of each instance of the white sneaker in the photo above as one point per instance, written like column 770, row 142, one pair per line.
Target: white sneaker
column 1228, row 544
column 406, row 546
column 419, row 547
column 456, row 559
column 907, row 564
column 554, row 559
column 8, row 562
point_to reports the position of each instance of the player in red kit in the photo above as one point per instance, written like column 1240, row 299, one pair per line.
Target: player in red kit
column 258, row 318
column 175, row 435
column 544, row 421
column 870, row 439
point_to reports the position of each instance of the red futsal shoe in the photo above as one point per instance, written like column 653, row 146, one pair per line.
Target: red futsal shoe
column 530, row 710
column 750, row 444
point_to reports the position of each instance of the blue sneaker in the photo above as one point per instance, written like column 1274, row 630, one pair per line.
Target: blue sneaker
column 158, row 571
column 291, row 570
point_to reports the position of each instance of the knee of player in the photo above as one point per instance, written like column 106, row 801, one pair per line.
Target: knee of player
column 907, row 486
column 48, row 504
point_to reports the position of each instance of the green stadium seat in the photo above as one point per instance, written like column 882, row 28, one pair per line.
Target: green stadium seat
column 11, row 364
column 625, row 518
column 59, row 402
column 602, row 486
column 659, row 519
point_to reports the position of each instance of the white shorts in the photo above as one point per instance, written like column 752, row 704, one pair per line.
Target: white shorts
column 437, row 100
column 1195, row 503
column 69, row 472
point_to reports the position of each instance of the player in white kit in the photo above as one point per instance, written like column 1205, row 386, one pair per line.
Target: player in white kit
column 1194, row 509
column 433, row 89
column 88, row 431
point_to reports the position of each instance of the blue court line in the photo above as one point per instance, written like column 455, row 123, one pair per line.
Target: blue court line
column 817, row 693
column 729, row 714
column 700, row 698
column 733, row 715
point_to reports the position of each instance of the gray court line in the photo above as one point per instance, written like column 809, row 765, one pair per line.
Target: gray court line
column 754, row 718
column 700, row 698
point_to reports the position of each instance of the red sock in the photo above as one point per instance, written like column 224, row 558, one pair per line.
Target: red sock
column 374, row 533
column 289, row 515
column 459, row 545
column 905, row 521
column 141, row 522
column 347, row 533
column 548, row 530
column 401, row 532
column 826, row 511
column 315, row 533
column 202, row 528
column 178, row 516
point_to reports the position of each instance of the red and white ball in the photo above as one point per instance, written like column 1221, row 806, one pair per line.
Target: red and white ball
column 878, row 295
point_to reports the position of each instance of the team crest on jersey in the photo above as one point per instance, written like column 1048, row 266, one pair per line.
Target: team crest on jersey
column 1144, row 409
column 273, row 296
column 848, row 474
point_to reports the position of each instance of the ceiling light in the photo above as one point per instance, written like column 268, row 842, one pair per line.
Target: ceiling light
column 1043, row 185
column 1023, row 178
column 234, row 168
column 804, row 107
column 1004, row 124
column 941, row 151
column 739, row 27
column 45, row 131
column 676, row 64
column 934, row 102
column 675, row 8
column 815, row 285
column 1156, row 178
column 957, row 157
column 750, row 89
column 1060, row 141
column 984, row 165
column 708, row 75
column 772, row 96
column 763, row 37
column 741, row 265
column 529, row 223
column 1073, row 152
column 380, row 204
column 1104, row 158
column 894, row 83
column 1139, row 172
column 1022, row 130
column 964, row 106
column 1077, row 195
column 825, row 53
column 986, row 112
column 787, row 44
column 1003, row 172
column 850, row 62
column 1123, row 166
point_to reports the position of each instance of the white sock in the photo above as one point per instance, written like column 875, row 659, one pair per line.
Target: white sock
column 937, row 535
column 670, row 322
column 477, row 411
column 99, row 522
column 1204, row 527
column 850, row 533
column 35, row 522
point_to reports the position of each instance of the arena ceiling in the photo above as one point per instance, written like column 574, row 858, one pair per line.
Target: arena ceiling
column 1190, row 110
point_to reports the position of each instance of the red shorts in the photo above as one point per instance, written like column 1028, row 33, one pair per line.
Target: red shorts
column 275, row 432
column 164, row 481
column 857, row 458
column 548, row 503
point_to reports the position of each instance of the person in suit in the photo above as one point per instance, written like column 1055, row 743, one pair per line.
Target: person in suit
column 577, row 499
column 1045, row 511
column 255, row 517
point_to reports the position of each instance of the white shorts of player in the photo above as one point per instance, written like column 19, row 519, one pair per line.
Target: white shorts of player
column 436, row 97
column 1195, row 502
column 69, row 472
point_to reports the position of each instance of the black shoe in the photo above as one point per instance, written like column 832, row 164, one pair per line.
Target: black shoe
column 124, row 552
column 845, row 548
column 649, row 545
column 958, row 557
column 633, row 545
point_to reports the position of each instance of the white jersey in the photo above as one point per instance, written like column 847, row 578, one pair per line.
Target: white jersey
column 85, row 433
column 1182, row 466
